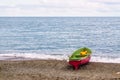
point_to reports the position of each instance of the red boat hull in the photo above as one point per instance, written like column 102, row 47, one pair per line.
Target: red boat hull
column 76, row 63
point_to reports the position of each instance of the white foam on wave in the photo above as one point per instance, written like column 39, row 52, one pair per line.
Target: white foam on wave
column 25, row 56
column 17, row 56
column 105, row 59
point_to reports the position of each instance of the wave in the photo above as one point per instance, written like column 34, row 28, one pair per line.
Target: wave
column 30, row 56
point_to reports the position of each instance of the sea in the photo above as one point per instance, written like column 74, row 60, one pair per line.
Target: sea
column 57, row 38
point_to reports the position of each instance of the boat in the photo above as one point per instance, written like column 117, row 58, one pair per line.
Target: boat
column 80, row 57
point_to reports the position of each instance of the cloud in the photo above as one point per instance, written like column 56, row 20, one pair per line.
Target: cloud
column 59, row 8
column 102, row 1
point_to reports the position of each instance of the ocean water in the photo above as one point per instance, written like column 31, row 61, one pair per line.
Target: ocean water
column 59, row 37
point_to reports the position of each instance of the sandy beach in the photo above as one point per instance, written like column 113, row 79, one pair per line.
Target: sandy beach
column 57, row 70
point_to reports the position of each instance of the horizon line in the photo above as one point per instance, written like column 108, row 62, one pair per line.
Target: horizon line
column 59, row 16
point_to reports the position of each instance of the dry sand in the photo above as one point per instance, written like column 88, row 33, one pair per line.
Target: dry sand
column 57, row 70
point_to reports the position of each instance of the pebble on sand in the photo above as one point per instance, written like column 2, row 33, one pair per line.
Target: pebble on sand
column 118, row 73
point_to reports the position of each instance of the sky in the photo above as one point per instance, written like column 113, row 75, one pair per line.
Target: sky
column 60, row 8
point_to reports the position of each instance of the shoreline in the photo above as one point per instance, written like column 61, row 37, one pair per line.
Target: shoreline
column 29, row 59
column 56, row 56
column 18, row 57
column 57, row 70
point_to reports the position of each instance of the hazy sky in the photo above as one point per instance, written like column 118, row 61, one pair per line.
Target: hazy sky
column 59, row 7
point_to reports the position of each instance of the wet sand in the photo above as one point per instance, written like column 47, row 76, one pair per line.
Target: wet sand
column 57, row 70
